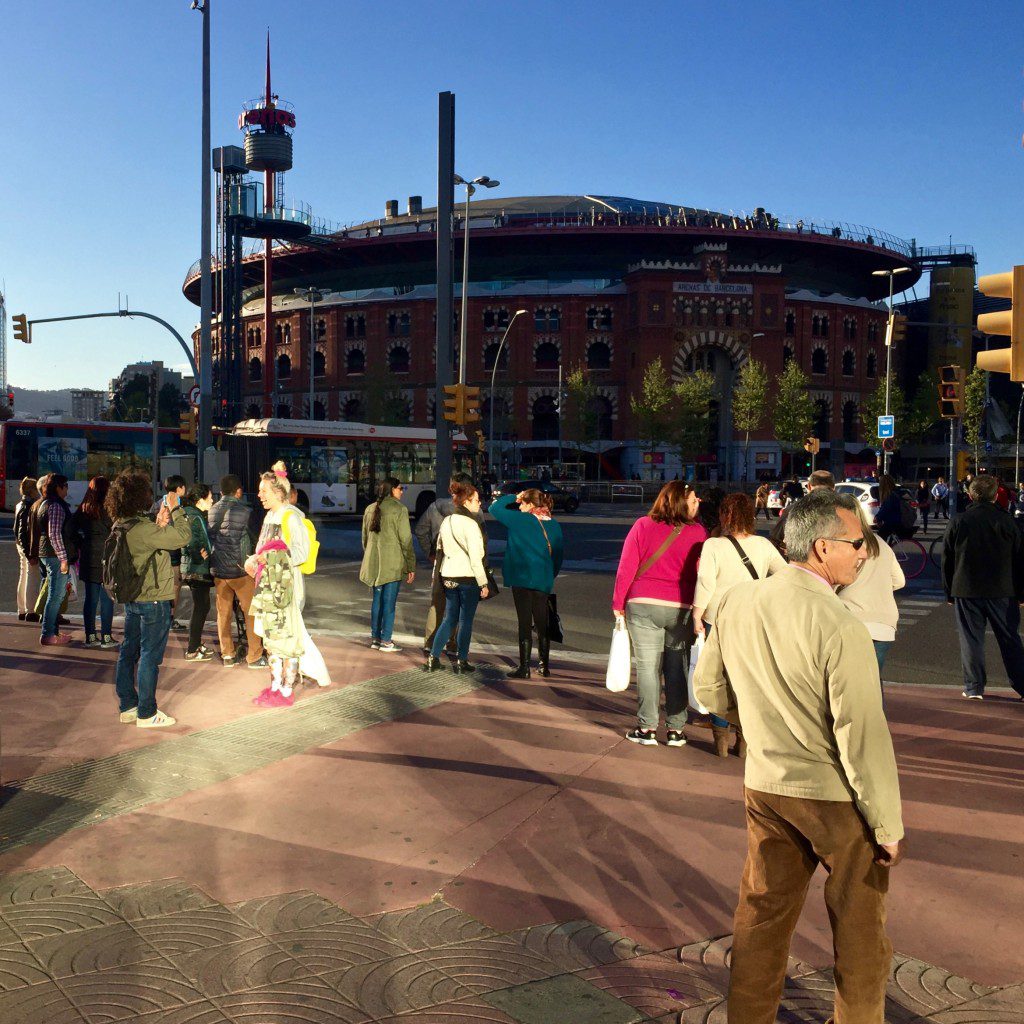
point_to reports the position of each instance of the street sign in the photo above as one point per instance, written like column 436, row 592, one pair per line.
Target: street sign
column 193, row 396
column 988, row 446
column 886, row 426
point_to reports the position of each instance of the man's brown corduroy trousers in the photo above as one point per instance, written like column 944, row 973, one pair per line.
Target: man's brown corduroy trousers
column 787, row 838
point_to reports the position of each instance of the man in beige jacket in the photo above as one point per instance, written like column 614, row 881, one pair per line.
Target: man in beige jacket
column 821, row 786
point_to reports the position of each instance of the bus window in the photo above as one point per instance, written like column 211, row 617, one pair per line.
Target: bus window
column 21, row 458
column 298, row 461
column 424, row 464
column 109, row 458
column 401, row 462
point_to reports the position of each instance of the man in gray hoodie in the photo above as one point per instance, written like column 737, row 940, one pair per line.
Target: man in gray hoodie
column 428, row 526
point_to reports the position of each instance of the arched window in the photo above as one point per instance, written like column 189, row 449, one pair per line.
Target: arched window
column 849, row 363
column 546, row 356
column 250, row 337
column 822, row 419
column 787, row 356
column 398, row 359
column 278, row 333
column 599, row 318
column 319, row 364
column 873, row 331
column 259, row 335
column 255, row 369
column 355, row 361
column 871, row 369
column 790, row 324
column 253, row 411
column 284, row 412
column 491, row 353
column 545, row 419
column 392, row 324
column 319, row 411
column 850, row 421
column 819, row 361
column 554, row 320
column 284, row 368
column 355, row 326
column 354, row 411
column 601, row 409
column 287, row 334
column 599, row 356
column 350, row 327
column 823, row 326
column 321, row 328
column 404, row 325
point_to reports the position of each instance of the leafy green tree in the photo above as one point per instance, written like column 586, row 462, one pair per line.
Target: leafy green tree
column 874, row 406
column 974, row 411
column 793, row 412
column 130, row 403
column 652, row 408
column 385, row 404
column 691, row 414
column 923, row 411
column 750, row 403
column 582, row 420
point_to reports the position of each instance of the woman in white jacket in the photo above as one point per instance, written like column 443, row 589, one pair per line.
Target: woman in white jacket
column 871, row 596
column 460, row 549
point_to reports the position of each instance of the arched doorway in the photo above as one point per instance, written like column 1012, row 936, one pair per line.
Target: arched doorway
column 545, row 419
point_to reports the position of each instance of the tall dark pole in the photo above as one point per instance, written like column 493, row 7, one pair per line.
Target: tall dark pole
column 445, row 283
column 206, row 281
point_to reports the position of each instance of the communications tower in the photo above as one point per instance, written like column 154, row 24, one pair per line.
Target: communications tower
column 268, row 124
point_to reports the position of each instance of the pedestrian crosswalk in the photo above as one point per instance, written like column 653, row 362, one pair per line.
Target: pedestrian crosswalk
column 917, row 604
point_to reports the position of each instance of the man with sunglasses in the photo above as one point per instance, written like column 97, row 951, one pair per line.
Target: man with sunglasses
column 799, row 672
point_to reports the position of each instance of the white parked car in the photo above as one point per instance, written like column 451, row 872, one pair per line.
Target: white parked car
column 866, row 494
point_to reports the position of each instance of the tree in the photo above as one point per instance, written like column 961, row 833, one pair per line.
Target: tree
column 974, row 411
column 922, row 412
column 386, row 406
column 130, row 402
column 691, row 417
column 582, row 422
column 874, row 406
column 750, row 403
column 652, row 408
column 6, row 412
column 793, row 414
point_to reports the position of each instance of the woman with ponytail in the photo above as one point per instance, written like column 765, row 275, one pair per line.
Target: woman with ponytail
column 388, row 558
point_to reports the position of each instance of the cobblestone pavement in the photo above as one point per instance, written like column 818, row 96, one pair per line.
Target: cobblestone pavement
column 166, row 953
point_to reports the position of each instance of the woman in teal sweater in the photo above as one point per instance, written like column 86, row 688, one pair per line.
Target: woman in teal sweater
column 533, row 558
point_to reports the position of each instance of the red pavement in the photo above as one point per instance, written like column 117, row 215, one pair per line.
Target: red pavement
column 522, row 804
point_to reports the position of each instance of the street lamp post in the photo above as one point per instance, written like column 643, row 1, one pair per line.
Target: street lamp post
column 470, row 190
column 888, row 346
column 494, row 371
column 312, row 296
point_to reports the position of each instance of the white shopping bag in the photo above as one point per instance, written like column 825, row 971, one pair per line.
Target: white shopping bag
column 695, row 650
column 72, row 583
column 617, row 676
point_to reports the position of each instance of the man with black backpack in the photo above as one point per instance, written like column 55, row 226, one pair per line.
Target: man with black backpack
column 137, row 572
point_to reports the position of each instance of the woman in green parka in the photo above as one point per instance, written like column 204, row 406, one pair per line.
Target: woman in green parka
column 388, row 558
column 195, row 568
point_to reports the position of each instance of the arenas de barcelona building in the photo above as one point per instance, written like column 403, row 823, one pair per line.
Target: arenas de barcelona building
column 607, row 284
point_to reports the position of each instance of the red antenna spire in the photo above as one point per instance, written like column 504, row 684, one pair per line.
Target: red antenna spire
column 268, row 100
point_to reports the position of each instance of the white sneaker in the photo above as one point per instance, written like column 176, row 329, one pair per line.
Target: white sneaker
column 158, row 721
column 972, row 696
column 129, row 716
column 389, row 648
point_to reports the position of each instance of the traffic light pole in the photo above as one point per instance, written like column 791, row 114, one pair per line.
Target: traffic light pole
column 156, row 384
column 954, row 485
column 445, row 285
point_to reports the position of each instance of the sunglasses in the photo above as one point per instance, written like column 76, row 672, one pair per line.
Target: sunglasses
column 855, row 544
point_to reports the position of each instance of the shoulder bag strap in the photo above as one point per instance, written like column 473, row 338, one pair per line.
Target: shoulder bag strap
column 743, row 558
column 540, row 523
column 665, row 545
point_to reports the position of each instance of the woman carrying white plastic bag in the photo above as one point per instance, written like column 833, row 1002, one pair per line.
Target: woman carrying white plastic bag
column 695, row 649
column 617, row 676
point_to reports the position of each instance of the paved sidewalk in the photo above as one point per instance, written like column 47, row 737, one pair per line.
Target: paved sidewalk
column 446, row 848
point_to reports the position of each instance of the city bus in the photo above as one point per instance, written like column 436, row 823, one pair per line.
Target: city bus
column 79, row 450
column 336, row 466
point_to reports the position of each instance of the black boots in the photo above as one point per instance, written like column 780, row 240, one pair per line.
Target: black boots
column 523, row 671
column 432, row 664
column 543, row 653
column 463, row 667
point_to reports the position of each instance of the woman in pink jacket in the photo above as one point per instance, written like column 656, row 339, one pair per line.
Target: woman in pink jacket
column 654, row 589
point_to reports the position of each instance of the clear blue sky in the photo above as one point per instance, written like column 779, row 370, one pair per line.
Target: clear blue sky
column 902, row 116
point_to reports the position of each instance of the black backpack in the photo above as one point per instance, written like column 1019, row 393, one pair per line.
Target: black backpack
column 120, row 577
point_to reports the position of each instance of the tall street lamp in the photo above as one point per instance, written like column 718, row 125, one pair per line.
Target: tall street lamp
column 312, row 296
column 470, row 190
column 494, row 370
column 888, row 346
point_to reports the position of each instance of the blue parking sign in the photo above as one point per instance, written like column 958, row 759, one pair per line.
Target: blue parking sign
column 886, row 426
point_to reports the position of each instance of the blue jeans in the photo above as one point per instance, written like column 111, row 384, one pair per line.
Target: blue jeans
column 97, row 597
column 56, row 587
column 146, row 625
column 881, row 650
column 382, row 611
column 460, row 607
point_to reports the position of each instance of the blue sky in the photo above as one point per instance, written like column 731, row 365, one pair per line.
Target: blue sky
column 906, row 117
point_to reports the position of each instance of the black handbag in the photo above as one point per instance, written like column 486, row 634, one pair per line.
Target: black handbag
column 554, row 621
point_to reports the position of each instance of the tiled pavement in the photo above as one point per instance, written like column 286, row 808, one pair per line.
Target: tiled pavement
column 166, row 953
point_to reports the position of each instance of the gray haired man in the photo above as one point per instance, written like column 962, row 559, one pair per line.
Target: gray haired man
column 798, row 671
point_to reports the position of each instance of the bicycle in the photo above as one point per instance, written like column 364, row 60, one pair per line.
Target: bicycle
column 910, row 554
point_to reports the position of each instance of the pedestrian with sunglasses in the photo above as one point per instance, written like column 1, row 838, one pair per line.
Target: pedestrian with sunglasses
column 388, row 559
column 871, row 596
column 654, row 589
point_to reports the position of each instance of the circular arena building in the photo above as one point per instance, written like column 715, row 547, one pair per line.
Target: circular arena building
column 608, row 284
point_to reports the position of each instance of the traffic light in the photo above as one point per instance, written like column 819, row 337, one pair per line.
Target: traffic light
column 895, row 329
column 1007, row 322
column 187, row 430
column 22, row 328
column 461, row 404
column 951, row 392
column 812, row 445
